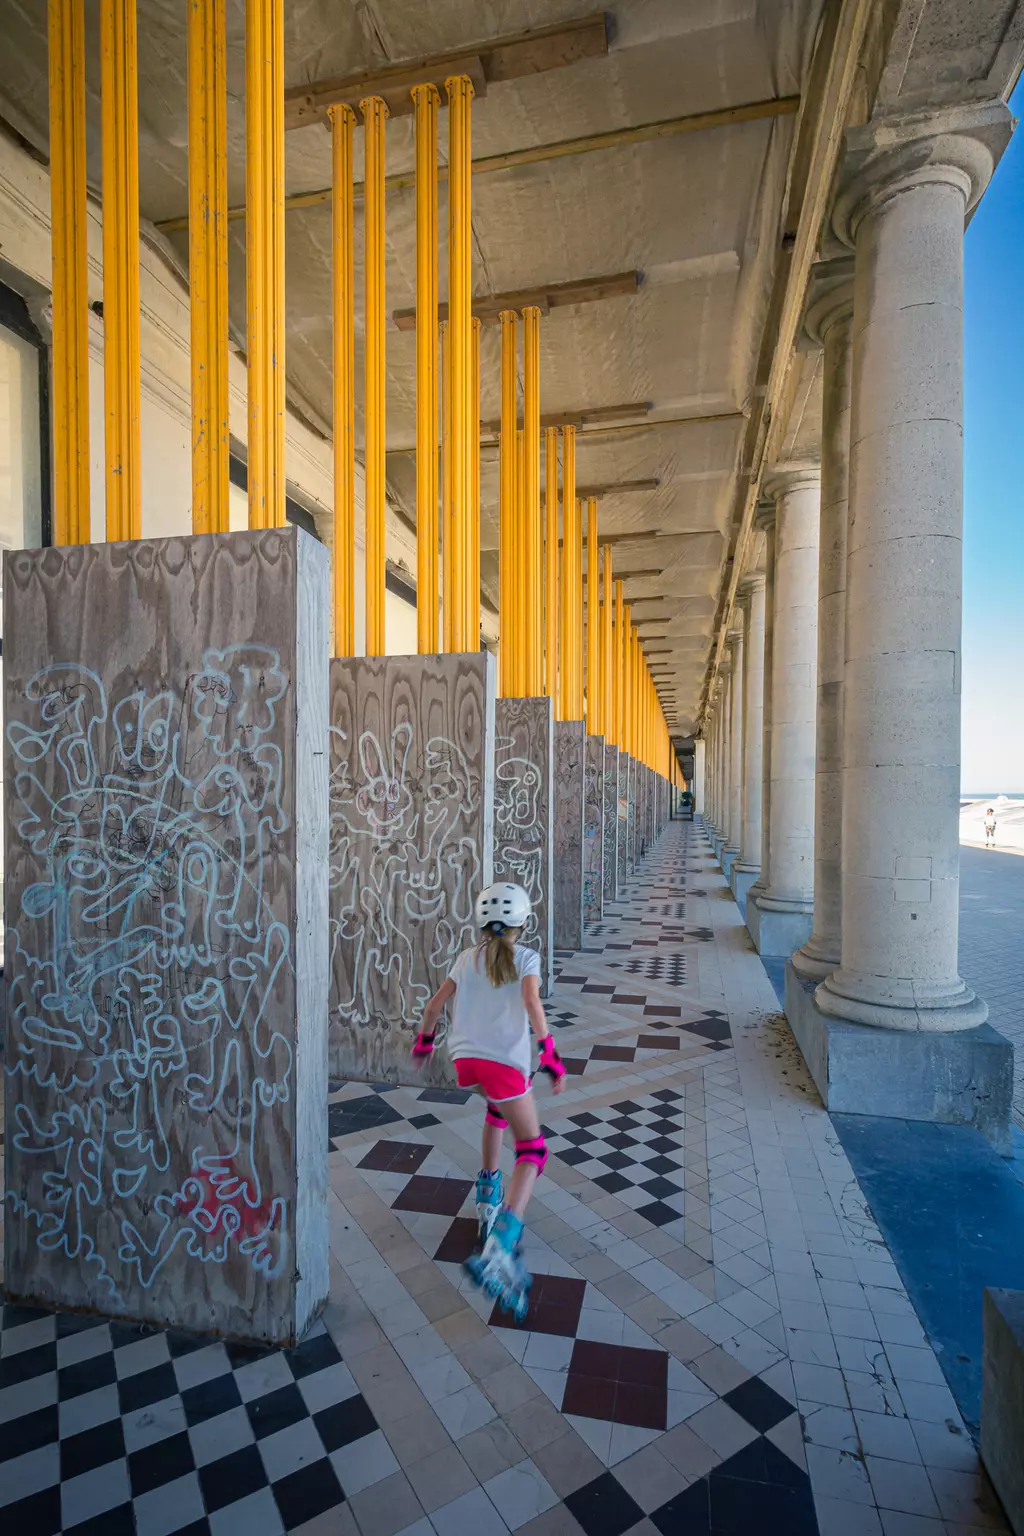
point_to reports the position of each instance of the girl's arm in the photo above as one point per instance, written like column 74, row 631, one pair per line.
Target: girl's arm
column 550, row 1061
column 423, row 1045
column 432, row 1012
column 534, row 1007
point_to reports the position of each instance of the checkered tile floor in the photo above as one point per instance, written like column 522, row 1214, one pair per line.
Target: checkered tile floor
column 717, row 1340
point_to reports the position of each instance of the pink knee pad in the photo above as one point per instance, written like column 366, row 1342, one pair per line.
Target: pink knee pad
column 492, row 1117
column 535, row 1152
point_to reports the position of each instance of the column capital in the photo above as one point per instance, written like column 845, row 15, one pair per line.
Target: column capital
column 781, row 479
column 753, row 582
column 829, row 298
column 764, row 516
column 954, row 146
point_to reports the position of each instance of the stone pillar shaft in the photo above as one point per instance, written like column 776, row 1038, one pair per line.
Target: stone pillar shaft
column 753, row 713
column 735, row 817
column 794, row 644
column 831, row 318
column 901, row 779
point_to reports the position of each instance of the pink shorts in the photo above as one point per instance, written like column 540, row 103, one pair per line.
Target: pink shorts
column 493, row 1078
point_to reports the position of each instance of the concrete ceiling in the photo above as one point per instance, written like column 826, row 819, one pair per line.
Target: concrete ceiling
column 699, row 215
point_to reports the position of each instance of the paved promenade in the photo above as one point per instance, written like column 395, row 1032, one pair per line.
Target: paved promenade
column 718, row 1339
column 992, row 944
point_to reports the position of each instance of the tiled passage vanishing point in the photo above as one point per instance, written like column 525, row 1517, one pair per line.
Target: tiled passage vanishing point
column 718, row 1340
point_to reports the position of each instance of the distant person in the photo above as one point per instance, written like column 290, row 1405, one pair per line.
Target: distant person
column 990, row 828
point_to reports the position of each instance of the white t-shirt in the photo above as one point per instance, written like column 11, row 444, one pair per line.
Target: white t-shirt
column 490, row 1022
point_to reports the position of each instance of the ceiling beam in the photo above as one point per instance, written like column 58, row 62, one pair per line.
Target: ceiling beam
column 583, row 420
column 582, row 290
column 538, row 154
column 487, row 62
column 639, row 575
column 616, row 488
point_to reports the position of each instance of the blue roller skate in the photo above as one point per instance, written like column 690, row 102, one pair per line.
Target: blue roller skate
column 499, row 1270
column 489, row 1196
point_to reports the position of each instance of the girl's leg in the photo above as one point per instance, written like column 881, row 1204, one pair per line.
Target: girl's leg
column 521, row 1115
column 490, row 1146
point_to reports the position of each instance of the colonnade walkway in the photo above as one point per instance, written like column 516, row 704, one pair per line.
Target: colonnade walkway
column 718, row 1338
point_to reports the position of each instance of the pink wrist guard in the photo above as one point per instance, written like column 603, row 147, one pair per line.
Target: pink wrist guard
column 423, row 1046
column 550, row 1061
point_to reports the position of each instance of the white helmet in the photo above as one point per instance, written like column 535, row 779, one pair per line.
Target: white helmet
column 503, row 903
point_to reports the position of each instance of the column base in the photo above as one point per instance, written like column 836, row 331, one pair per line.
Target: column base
column 900, row 1005
column 776, row 933
column 741, row 878
column 727, row 860
column 813, row 963
column 964, row 1078
column 718, row 842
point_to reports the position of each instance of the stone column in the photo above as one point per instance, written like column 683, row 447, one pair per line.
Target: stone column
column 829, row 322
column 724, row 765
column 904, row 215
column 764, row 522
column 748, row 866
column 700, row 768
column 785, row 907
column 734, row 829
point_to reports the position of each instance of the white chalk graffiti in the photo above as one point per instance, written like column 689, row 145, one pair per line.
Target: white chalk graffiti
column 403, row 872
column 147, row 967
column 519, row 828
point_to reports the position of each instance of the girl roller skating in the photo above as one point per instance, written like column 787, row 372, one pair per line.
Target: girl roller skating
column 494, row 991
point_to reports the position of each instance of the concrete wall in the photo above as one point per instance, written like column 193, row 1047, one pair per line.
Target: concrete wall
column 166, row 921
column 411, row 846
column 593, row 830
column 570, row 753
column 523, row 819
column 611, row 820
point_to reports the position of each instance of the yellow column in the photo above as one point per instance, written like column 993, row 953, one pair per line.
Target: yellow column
column 70, row 273
column 208, row 264
column 551, row 561
column 426, row 99
column 572, row 622
column 122, row 386
column 375, row 115
column 460, row 95
column 447, row 537
column 343, row 121
column 533, row 617
column 519, row 567
column 264, row 258
column 473, row 593
column 595, row 695
column 507, row 506
column 607, row 670
column 628, row 640
column 620, row 656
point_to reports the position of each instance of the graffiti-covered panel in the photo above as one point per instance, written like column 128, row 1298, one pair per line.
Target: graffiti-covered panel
column 165, row 830
column 593, row 830
column 411, row 845
column 523, row 828
column 570, row 754
column 611, row 821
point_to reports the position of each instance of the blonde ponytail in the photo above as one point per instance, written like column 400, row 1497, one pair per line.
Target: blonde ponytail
column 500, row 956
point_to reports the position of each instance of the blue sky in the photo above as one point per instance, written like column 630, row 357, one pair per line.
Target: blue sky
column 993, row 648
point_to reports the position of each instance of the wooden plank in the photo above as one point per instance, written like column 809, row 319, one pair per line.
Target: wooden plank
column 589, row 417
column 411, row 846
column 617, row 487
column 611, row 821
column 546, row 297
column 523, row 815
column 593, row 830
column 497, row 59
column 165, row 910
column 570, row 751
